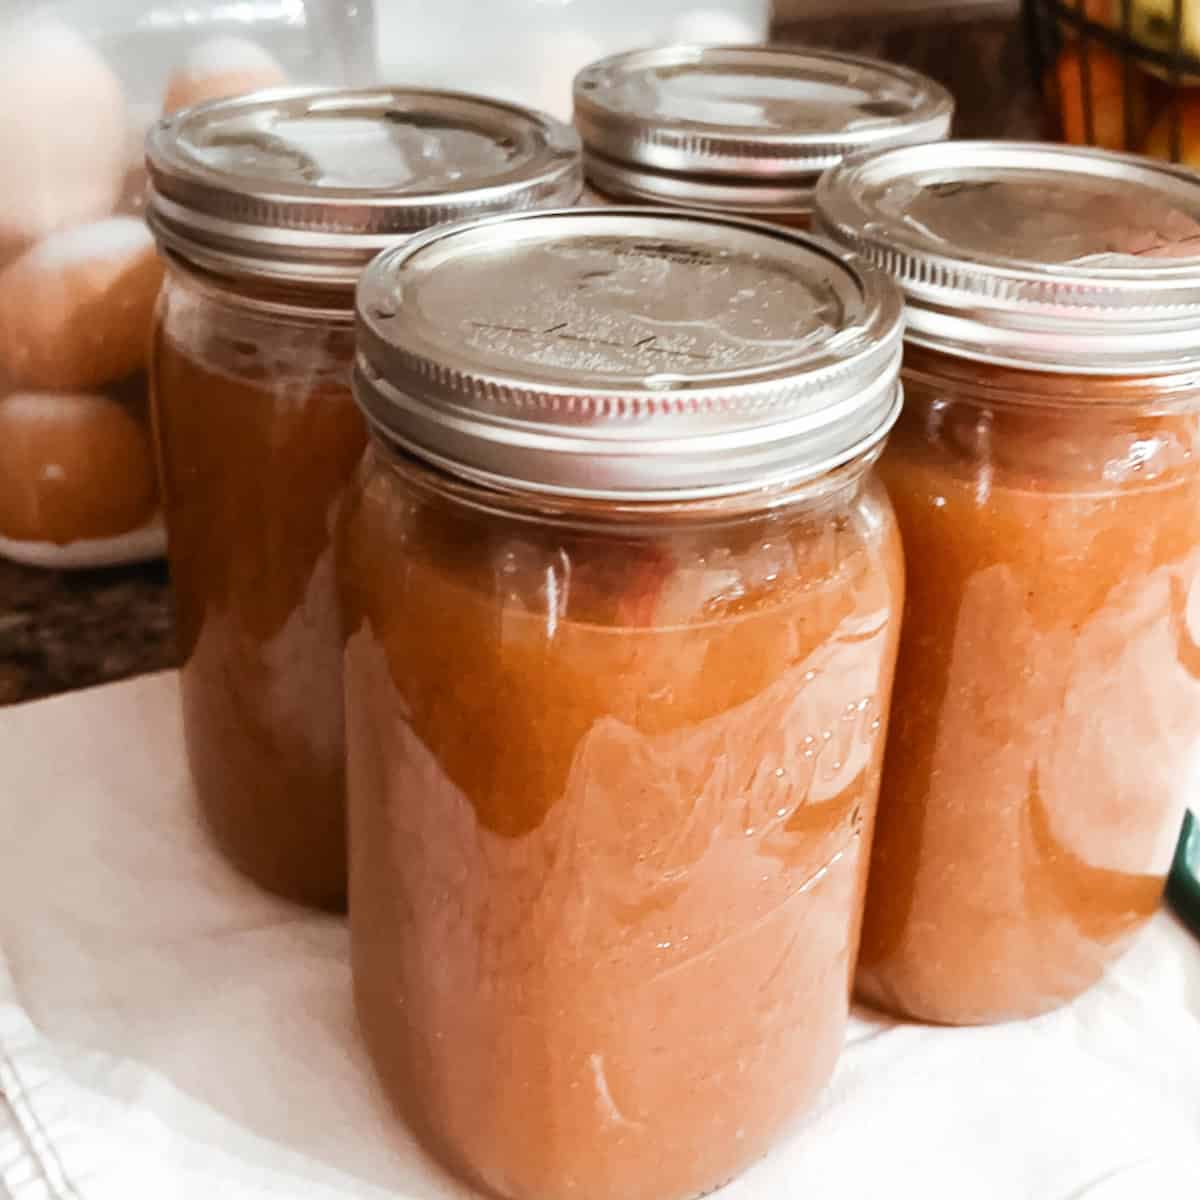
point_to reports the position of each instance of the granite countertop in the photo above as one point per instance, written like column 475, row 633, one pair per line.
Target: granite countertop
column 61, row 630
column 70, row 629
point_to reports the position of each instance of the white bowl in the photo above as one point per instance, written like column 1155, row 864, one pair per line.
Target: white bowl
column 138, row 545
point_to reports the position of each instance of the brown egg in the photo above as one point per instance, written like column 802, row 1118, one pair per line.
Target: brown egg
column 221, row 67
column 72, row 467
column 76, row 310
column 62, row 131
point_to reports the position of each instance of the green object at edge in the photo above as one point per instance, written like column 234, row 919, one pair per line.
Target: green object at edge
column 1183, row 884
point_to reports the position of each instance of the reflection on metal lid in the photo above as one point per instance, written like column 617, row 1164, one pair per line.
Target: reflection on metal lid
column 310, row 184
column 760, row 116
column 628, row 352
column 1033, row 255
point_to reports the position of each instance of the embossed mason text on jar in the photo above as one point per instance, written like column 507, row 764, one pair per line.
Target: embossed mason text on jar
column 743, row 129
column 267, row 209
column 1046, row 475
column 621, row 598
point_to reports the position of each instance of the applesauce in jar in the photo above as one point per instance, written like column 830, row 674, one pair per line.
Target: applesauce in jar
column 1046, row 476
column 621, row 597
column 744, row 130
column 266, row 210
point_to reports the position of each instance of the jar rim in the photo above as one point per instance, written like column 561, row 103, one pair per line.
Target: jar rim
column 275, row 185
column 1033, row 387
column 1030, row 255
column 754, row 200
column 628, row 353
column 813, row 108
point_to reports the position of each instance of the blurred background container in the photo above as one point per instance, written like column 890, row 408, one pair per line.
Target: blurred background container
column 530, row 50
column 144, row 41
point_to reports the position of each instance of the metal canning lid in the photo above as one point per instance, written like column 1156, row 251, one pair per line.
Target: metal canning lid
column 1045, row 257
column 746, row 128
column 308, row 185
column 628, row 353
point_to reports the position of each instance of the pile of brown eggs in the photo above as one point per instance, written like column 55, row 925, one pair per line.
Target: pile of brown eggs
column 79, row 278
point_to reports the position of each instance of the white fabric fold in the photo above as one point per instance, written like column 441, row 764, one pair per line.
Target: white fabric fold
column 169, row 1032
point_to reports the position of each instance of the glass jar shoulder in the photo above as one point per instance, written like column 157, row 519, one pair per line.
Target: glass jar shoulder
column 1044, row 433
column 609, row 570
column 222, row 335
column 1037, row 476
column 257, row 437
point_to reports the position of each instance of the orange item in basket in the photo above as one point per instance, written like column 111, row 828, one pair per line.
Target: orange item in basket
column 218, row 68
column 1097, row 78
column 72, row 467
column 1159, row 145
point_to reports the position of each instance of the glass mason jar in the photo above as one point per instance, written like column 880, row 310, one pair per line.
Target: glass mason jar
column 1046, row 476
column 266, row 209
column 745, row 130
column 621, row 597
column 81, row 81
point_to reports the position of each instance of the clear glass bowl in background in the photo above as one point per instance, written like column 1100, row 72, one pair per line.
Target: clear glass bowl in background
column 1120, row 74
column 530, row 50
column 81, row 81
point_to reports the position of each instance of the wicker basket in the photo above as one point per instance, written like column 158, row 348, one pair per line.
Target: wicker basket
column 1121, row 74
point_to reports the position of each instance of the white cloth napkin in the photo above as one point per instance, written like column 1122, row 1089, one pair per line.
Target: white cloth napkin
column 168, row 1032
